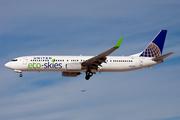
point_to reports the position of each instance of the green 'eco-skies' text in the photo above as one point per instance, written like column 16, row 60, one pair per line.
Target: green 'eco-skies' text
column 34, row 65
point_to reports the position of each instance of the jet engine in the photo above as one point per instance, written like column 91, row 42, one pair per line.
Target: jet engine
column 70, row 74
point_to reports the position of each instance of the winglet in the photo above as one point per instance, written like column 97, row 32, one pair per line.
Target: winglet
column 119, row 43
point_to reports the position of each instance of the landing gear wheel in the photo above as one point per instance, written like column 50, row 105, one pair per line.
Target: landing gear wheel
column 87, row 77
column 88, row 74
column 20, row 75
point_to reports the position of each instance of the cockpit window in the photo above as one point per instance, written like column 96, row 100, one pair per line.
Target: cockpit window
column 14, row 60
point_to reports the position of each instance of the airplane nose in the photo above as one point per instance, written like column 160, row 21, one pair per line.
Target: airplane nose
column 8, row 65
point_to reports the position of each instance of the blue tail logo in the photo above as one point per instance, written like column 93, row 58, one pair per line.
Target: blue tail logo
column 155, row 48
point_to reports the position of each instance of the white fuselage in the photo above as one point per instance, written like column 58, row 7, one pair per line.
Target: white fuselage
column 72, row 66
column 58, row 63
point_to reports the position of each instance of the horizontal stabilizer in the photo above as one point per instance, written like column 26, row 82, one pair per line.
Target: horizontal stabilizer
column 162, row 57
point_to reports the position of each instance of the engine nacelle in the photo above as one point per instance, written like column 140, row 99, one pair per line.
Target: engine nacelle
column 73, row 67
column 70, row 74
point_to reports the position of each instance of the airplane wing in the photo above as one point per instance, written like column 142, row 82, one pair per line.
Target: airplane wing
column 162, row 57
column 96, row 61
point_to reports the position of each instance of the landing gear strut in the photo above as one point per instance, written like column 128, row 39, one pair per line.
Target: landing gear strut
column 20, row 75
column 88, row 74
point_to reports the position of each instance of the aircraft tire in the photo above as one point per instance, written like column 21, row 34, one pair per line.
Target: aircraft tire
column 20, row 75
column 87, row 77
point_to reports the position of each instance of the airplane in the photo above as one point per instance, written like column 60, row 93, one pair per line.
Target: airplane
column 72, row 66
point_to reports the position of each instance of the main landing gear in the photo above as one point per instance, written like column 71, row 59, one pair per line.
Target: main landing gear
column 88, row 74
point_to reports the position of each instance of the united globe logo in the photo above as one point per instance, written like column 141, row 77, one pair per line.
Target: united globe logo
column 151, row 51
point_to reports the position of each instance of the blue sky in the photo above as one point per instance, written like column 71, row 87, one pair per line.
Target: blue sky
column 89, row 27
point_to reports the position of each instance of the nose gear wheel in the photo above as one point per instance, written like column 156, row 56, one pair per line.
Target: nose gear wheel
column 20, row 75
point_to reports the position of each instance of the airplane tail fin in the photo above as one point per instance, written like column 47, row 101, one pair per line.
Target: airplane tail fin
column 155, row 48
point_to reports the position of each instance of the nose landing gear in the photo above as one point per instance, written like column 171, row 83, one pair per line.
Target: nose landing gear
column 19, row 71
